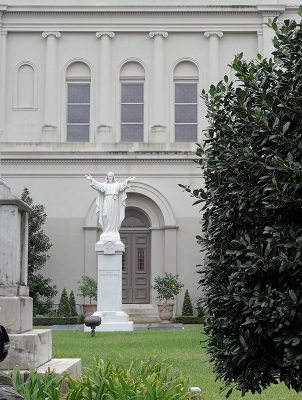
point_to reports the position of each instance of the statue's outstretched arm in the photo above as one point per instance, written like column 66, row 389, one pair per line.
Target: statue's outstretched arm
column 130, row 178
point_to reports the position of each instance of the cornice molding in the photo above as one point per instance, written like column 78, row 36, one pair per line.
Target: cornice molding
column 24, row 161
column 140, row 10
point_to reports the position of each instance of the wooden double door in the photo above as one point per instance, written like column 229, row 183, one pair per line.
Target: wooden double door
column 136, row 267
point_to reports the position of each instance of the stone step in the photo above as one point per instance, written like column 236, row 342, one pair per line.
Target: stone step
column 142, row 314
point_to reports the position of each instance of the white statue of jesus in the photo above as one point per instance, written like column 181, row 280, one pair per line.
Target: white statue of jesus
column 110, row 204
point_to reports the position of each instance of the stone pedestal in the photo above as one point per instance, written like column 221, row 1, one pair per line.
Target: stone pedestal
column 27, row 345
column 16, row 307
column 109, row 306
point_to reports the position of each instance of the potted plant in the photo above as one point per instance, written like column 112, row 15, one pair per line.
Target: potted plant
column 167, row 288
column 88, row 288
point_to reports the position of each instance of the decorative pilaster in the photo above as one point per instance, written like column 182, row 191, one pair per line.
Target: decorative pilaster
column 268, row 35
column 104, row 126
column 170, row 249
column 3, row 40
column 269, row 11
column 213, row 56
column 158, row 76
column 50, row 117
column 260, row 42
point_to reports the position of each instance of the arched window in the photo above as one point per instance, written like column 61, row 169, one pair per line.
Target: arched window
column 185, row 102
column 132, row 77
column 78, row 77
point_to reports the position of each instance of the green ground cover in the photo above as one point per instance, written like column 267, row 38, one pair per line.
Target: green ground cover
column 180, row 349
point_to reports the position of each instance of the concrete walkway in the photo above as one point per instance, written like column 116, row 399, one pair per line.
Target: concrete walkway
column 137, row 327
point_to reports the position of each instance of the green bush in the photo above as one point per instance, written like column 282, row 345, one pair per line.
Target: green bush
column 64, row 306
column 187, row 308
column 199, row 307
column 252, row 231
column 167, row 287
column 40, row 289
column 192, row 319
column 88, row 288
column 48, row 321
column 72, row 305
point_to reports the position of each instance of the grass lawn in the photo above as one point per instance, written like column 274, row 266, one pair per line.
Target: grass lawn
column 180, row 349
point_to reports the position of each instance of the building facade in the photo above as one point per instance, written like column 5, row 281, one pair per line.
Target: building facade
column 97, row 86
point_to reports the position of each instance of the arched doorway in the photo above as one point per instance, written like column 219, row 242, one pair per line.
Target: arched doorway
column 135, row 234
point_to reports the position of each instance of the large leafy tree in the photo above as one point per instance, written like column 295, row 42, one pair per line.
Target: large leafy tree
column 40, row 288
column 252, row 220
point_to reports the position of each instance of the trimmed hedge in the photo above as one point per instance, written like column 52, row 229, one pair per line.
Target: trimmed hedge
column 192, row 319
column 56, row 321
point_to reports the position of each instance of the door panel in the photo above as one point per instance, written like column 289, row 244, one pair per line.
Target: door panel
column 136, row 267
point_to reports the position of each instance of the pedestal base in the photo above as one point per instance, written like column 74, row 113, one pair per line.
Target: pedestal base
column 112, row 321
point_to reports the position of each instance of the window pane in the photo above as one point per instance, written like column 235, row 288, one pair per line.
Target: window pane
column 185, row 93
column 186, row 133
column 78, row 113
column 132, row 113
column 132, row 92
column 78, row 133
column 186, row 113
column 78, row 93
column 132, row 132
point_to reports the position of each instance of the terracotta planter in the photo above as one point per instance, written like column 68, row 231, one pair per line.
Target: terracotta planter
column 165, row 312
column 88, row 309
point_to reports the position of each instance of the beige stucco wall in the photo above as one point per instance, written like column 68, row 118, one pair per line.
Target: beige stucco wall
column 205, row 33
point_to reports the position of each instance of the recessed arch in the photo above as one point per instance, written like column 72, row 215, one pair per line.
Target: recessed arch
column 25, row 95
column 146, row 198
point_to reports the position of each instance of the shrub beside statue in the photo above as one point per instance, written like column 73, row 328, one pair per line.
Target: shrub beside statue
column 167, row 287
column 88, row 288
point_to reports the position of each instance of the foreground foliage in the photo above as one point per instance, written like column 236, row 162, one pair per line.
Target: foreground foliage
column 45, row 387
column 252, row 231
column 142, row 380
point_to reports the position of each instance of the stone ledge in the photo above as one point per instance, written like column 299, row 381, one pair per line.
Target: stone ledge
column 32, row 347
column 62, row 365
